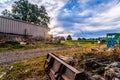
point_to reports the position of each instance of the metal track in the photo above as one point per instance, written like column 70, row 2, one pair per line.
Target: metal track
column 57, row 69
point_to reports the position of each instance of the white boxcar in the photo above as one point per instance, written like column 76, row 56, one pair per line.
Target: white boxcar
column 21, row 28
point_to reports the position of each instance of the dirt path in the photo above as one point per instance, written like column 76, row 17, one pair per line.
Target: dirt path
column 9, row 57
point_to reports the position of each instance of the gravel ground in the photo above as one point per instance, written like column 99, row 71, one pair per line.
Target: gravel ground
column 9, row 57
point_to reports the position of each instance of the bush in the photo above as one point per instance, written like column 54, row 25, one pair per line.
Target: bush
column 69, row 37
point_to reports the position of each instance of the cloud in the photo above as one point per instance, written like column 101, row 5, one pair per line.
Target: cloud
column 94, row 17
column 84, row 18
column 2, row 1
column 6, row 4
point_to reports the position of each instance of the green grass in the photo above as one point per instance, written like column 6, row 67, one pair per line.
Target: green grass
column 14, row 47
column 79, row 42
column 3, row 69
column 26, row 69
column 34, row 67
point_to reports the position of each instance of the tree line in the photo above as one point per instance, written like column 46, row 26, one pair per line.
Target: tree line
column 69, row 37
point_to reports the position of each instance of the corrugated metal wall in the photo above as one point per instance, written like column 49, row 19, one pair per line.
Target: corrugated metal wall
column 18, row 27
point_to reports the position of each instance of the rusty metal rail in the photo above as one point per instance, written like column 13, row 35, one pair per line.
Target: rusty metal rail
column 57, row 69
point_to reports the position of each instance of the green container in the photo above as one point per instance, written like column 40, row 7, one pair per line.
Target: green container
column 112, row 39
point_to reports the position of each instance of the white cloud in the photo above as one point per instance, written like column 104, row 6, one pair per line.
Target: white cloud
column 103, row 16
column 56, row 31
column 105, row 20
column 52, row 8
column 113, row 13
column 5, row 5
column 86, row 12
column 106, row 16
column 2, row 1
column 100, row 28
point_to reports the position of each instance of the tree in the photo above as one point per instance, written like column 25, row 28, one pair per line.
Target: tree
column 6, row 13
column 62, row 38
column 69, row 37
column 79, row 38
column 26, row 11
column 83, row 38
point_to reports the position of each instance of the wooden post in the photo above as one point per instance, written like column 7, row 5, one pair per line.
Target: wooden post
column 25, row 34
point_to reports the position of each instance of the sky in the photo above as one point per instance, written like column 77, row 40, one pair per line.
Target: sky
column 79, row 18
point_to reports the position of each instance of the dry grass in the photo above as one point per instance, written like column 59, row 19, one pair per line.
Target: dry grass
column 26, row 69
column 34, row 67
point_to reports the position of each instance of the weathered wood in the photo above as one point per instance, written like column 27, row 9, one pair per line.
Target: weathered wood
column 57, row 69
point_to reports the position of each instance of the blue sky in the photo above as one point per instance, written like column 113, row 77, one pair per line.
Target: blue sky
column 83, row 18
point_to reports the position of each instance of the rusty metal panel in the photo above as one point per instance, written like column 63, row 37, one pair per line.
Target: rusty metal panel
column 57, row 69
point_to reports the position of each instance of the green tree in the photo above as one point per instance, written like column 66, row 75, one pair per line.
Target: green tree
column 79, row 38
column 69, row 37
column 6, row 13
column 83, row 38
column 30, row 12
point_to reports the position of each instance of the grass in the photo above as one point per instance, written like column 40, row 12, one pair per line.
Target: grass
column 26, row 69
column 3, row 69
column 79, row 42
column 34, row 67
column 14, row 47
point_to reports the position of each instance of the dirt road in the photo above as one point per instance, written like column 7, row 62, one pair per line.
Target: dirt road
column 9, row 57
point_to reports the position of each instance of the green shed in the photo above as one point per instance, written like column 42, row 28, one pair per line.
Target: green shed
column 112, row 39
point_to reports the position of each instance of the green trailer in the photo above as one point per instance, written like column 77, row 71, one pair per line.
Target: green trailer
column 113, row 39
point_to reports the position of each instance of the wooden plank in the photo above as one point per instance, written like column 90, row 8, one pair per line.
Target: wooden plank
column 57, row 69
